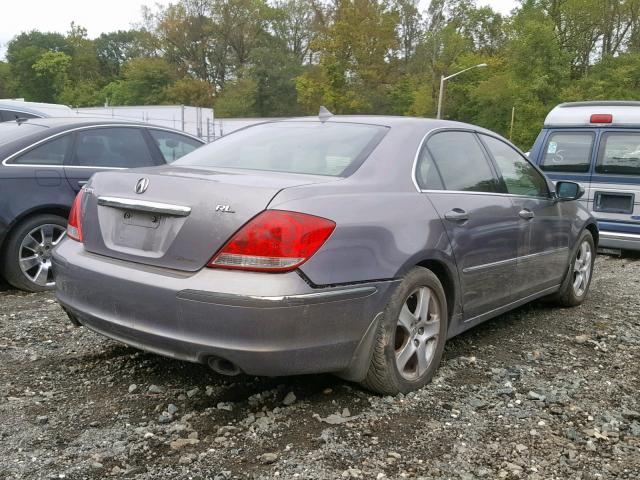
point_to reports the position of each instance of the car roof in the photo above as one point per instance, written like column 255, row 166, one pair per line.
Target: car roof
column 35, row 108
column 579, row 113
column 423, row 124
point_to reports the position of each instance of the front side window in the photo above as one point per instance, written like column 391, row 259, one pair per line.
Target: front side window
column 115, row 147
column 568, row 152
column 461, row 162
column 51, row 152
column 519, row 176
column 173, row 145
column 316, row 148
column 619, row 153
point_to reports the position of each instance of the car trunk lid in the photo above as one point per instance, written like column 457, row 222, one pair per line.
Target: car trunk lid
column 175, row 217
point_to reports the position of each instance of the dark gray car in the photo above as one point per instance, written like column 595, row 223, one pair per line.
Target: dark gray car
column 353, row 245
column 44, row 163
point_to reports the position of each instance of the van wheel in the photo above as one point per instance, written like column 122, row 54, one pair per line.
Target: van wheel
column 576, row 284
column 27, row 256
column 411, row 336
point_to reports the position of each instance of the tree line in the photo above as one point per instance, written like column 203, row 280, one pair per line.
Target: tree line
column 287, row 57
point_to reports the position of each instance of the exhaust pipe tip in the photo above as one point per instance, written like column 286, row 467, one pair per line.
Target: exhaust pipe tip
column 223, row 367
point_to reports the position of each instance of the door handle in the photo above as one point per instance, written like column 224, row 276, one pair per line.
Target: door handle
column 526, row 214
column 457, row 215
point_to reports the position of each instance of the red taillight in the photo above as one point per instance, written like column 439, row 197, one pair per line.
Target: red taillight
column 274, row 241
column 74, row 225
column 601, row 118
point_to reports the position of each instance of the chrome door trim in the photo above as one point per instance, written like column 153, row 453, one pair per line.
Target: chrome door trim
column 484, row 266
column 514, row 260
column 145, row 206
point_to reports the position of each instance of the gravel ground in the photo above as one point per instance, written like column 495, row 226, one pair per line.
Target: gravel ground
column 539, row 393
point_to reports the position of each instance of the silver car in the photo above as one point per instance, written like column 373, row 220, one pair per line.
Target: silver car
column 352, row 245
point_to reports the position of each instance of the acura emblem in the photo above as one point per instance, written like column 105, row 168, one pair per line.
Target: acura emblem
column 142, row 185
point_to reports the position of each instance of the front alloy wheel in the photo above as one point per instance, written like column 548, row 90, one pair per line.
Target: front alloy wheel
column 582, row 269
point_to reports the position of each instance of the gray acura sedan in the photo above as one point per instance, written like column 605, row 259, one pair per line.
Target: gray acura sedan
column 352, row 245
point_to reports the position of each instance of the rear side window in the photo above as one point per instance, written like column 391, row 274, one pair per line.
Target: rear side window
column 112, row 147
column 52, row 152
column 427, row 174
column 317, row 148
column 520, row 177
column 568, row 152
column 461, row 162
column 619, row 153
column 173, row 145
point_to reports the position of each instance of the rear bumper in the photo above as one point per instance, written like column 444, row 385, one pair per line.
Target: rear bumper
column 265, row 324
column 621, row 240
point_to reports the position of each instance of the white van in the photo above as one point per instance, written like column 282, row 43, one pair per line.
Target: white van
column 597, row 144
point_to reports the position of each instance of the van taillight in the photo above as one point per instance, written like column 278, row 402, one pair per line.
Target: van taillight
column 601, row 118
column 274, row 241
column 74, row 225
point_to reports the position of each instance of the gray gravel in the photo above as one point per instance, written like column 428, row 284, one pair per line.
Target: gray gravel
column 539, row 393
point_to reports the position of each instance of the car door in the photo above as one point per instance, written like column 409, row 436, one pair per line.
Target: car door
column 107, row 148
column 457, row 177
column 544, row 233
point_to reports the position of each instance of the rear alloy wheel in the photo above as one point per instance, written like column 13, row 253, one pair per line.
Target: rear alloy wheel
column 411, row 336
column 416, row 335
column 28, row 252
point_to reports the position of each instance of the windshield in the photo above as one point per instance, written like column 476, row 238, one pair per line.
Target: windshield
column 10, row 131
column 316, row 148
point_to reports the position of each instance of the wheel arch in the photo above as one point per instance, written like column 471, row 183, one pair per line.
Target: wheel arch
column 448, row 278
column 54, row 209
column 595, row 233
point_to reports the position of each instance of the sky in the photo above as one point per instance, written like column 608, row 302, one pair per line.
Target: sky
column 99, row 16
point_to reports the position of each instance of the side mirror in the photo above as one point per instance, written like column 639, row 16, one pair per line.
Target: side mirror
column 566, row 191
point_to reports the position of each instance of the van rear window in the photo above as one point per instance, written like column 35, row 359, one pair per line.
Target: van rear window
column 568, row 152
column 619, row 153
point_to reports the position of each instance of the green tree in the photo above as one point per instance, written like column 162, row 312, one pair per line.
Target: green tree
column 191, row 91
column 144, row 82
column 6, row 86
column 353, row 74
column 22, row 53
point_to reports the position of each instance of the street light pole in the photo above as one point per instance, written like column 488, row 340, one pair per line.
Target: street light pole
column 444, row 79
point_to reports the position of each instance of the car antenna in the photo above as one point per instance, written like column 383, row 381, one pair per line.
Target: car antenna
column 324, row 114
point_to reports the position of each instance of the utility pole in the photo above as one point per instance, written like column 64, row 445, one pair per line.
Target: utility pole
column 444, row 79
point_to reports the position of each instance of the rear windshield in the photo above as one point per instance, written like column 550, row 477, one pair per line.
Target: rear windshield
column 10, row 131
column 568, row 152
column 316, row 148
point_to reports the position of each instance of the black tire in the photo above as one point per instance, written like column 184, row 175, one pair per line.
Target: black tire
column 384, row 375
column 11, row 254
column 567, row 296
